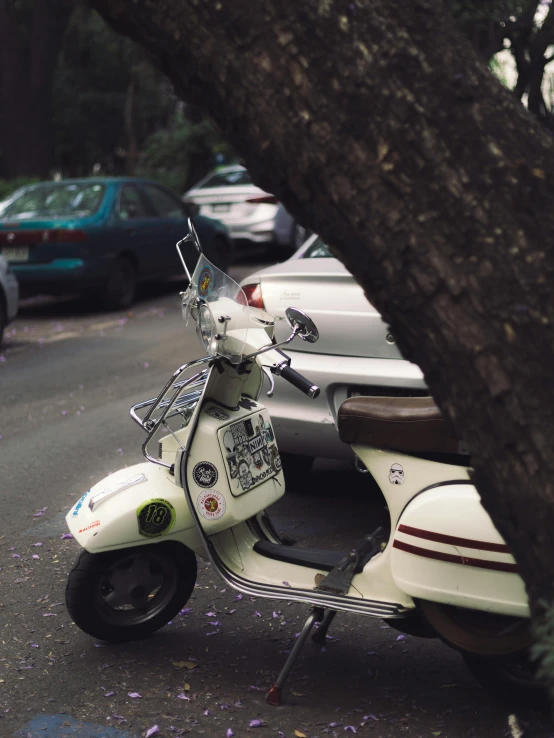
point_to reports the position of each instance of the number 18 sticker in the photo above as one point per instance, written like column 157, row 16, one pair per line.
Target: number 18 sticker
column 155, row 517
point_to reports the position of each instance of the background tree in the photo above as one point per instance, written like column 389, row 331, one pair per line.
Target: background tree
column 31, row 35
column 378, row 126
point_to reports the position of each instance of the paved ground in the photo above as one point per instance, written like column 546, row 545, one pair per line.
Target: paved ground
column 67, row 379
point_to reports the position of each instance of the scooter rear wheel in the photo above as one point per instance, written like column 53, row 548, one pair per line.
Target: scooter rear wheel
column 128, row 594
column 511, row 678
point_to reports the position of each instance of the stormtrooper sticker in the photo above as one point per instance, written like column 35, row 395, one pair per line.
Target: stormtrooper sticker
column 396, row 474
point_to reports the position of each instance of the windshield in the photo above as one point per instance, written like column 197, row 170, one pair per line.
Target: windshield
column 227, row 178
column 318, row 250
column 77, row 199
column 220, row 310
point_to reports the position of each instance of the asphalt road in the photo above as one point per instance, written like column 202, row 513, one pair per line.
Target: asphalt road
column 67, row 378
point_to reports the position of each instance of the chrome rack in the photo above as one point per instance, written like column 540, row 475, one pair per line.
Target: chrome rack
column 171, row 401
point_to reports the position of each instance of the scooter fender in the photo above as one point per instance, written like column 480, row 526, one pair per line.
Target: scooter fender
column 137, row 505
column 446, row 549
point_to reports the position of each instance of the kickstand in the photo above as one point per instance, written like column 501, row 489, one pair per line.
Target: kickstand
column 321, row 633
column 273, row 697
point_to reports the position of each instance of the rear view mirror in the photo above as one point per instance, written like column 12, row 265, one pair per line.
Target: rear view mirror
column 302, row 324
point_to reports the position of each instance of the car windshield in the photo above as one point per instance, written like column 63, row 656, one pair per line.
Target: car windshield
column 53, row 199
column 227, row 179
column 318, row 250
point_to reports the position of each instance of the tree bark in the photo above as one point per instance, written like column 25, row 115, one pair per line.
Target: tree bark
column 377, row 126
column 27, row 68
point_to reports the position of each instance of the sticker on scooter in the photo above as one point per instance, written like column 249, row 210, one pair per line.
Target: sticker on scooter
column 205, row 281
column 211, row 505
column 155, row 518
column 396, row 474
column 205, row 474
column 217, row 413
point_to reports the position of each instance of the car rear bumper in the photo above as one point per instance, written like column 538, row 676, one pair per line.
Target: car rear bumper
column 308, row 427
column 12, row 296
column 59, row 275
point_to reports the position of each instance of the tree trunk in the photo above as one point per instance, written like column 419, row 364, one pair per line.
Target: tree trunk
column 26, row 75
column 378, row 127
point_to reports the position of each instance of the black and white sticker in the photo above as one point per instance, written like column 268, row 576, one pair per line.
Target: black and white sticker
column 217, row 413
column 211, row 505
column 205, row 474
column 396, row 474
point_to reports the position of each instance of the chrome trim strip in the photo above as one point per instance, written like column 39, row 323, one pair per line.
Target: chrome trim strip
column 100, row 497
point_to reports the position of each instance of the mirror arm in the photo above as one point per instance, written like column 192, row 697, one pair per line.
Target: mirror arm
column 273, row 345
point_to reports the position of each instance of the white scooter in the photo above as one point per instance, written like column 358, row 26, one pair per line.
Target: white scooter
column 439, row 569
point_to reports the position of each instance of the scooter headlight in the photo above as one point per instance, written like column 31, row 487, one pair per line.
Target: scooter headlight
column 206, row 329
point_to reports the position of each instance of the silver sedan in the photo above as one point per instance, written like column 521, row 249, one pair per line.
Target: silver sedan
column 356, row 353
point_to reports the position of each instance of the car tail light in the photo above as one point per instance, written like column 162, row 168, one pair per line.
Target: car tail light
column 65, row 235
column 265, row 200
column 253, row 294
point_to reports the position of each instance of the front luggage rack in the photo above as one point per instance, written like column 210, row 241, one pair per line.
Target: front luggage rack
column 172, row 401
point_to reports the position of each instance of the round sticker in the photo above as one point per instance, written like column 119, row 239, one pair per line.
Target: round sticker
column 205, row 281
column 205, row 474
column 211, row 505
column 155, row 518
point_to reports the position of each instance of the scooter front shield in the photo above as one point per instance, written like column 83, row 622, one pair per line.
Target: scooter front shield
column 137, row 505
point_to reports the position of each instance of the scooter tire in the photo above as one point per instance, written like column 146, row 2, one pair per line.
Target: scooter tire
column 165, row 575
column 511, row 678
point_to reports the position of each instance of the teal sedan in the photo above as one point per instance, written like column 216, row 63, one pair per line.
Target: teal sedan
column 101, row 236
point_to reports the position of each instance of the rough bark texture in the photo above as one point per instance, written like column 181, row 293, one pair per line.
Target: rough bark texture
column 26, row 75
column 378, row 126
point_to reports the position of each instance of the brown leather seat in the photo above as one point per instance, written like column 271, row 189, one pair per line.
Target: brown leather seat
column 409, row 424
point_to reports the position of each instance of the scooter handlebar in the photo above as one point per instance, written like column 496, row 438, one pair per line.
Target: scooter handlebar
column 300, row 382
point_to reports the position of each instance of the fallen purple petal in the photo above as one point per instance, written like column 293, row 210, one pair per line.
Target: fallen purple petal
column 109, row 694
column 16, row 556
column 211, row 615
column 401, row 638
column 34, row 556
column 257, row 614
column 253, row 688
column 183, row 696
column 134, row 695
column 371, row 717
column 207, row 713
column 286, row 584
column 212, row 633
column 38, row 514
column 229, row 733
column 154, row 730
column 214, row 622
column 238, row 598
column 38, row 545
column 350, row 729
column 66, row 536
column 256, row 723
column 275, row 615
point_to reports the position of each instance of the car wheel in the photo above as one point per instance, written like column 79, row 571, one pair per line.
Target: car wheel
column 3, row 319
column 221, row 254
column 297, row 470
column 128, row 594
column 511, row 678
column 121, row 287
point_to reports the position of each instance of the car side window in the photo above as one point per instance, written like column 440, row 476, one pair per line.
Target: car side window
column 165, row 205
column 130, row 204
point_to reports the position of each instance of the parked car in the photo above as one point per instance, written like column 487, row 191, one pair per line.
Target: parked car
column 100, row 236
column 9, row 296
column 356, row 353
column 252, row 215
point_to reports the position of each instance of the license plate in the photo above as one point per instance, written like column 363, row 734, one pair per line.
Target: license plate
column 223, row 208
column 16, row 253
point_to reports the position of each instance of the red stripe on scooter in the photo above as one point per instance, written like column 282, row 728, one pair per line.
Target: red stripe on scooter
column 454, row 540
column 452, row 559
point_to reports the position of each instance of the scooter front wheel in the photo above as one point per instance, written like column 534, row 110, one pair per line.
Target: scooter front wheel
column 128, row 594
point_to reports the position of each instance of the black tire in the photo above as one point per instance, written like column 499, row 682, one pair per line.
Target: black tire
column 297, row 470
column 3, row 319
column 510, row 678
column 165, row 574
column 221, row 253
column 121, row 287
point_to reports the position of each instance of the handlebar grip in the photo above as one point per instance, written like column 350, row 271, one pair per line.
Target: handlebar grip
column 300, row 382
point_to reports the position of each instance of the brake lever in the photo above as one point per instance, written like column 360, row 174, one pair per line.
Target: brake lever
column 267, row 371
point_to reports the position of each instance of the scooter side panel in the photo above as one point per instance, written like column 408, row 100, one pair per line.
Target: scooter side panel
column 446, row 549
column 133, row 512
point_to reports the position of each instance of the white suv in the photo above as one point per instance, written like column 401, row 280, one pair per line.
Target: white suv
column 9, row 295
